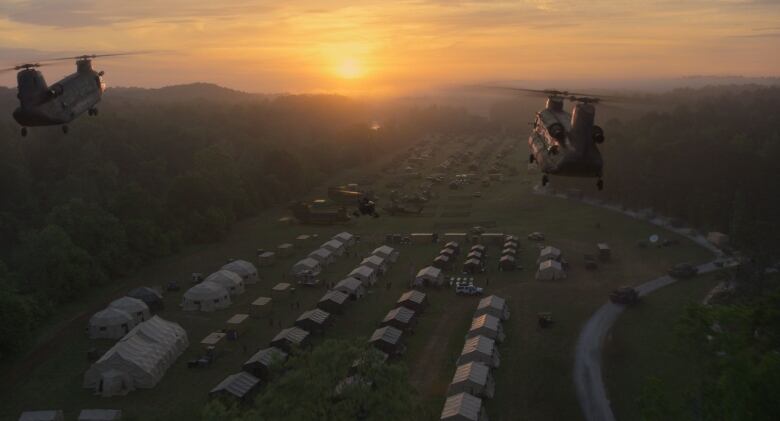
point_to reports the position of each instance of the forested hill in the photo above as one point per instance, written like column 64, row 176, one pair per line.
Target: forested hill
column 150, row 174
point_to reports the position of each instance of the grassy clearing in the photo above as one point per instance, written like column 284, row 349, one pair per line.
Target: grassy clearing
column 534, row 380
column 641, row 346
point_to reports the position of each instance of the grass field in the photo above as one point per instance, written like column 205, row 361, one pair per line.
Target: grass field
column 534, row 381
column 641, row 346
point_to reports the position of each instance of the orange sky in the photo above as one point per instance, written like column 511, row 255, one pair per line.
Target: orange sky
column 392, row 47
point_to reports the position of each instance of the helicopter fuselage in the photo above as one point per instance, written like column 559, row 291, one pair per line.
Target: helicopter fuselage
column 562, row 143
column 61, row 102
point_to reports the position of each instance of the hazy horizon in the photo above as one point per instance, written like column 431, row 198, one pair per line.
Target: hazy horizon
column 380, row 48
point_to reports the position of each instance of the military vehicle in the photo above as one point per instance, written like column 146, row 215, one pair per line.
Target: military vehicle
column 318, row 215
column 624, row 295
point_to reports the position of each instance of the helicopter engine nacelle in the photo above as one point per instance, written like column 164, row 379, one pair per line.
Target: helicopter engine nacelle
column 582, row 119
column 598, row 134
column 32, row 87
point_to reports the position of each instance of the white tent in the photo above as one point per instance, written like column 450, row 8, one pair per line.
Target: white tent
column 549, row 253
column 429, row 275
column 386, row 252
column 323, row 256
column 376, row 262
column 206, row 296
column 366, row 275
column 138, row 360
column 244, row 269
column 231, row 281
column 132, row 306
column 352, row 287
column 550, row 270
column 463, row 407
column 346, row 238
column 110, row 323
column 488, row 326
column 307, row 264
column 493, row 305
column 335, row 246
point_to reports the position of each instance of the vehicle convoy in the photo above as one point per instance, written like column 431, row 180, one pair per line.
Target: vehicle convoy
column 683, row 271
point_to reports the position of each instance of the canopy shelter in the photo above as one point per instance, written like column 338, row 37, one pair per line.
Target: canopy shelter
column 206, row 296
column 132, row 306
column 414, row 300
column 260, row 364
column 401, row 318
column 333, row 302
column 149, row 296
column 240, row 386
column 388, row 340
column 346, row 238
column 366, row 275
column 139, row 359
column 480, row 349
column 494, row 306
column 244, row 269
column 428, row 276
column 323, row 256
column 463, row 407
column 386, row 252
column 110, row 323
column 231, row 281
column 291, row 337
column 375, row 262
column 100, row 415
column 352, row 287
column 473, row 378
column 550, row 270
column 335, row 246
column 488, row 326
column 314, row 321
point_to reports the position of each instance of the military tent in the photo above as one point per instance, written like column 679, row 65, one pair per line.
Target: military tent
column 473, row 378
column 335, row 246
column 240, row 386
column 314, row 321
column 386, row 252
column 429, row 276
column 494, row 306
column 463, row 407
column 206, row 296
column 110, row 323
column 231, row 281
column 333, row 302
column 346, row 238
column 488, row 326
column 352, row 287
column 415, row 300
column 292, row 336
column 260, row 363
column 100, row 415
column 480, row 349
column 244, row 269
column 550, row 270
column 307, row 264
column 323, row 256
column 132, row 306
column 149, row 296
column 366, row 275
column 388, row 340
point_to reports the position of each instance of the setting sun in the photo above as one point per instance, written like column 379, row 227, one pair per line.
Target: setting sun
column 349, row 69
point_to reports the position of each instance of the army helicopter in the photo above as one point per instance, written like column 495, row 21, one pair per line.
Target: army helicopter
column 563, row 143
column 62, row 102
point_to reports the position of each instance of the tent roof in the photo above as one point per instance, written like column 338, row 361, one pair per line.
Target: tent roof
column 267, row 356
column 507, row 258
column 374, row 259
column 363, row 271
column 241, row 267
column 316, row 315
column 293, row 334
column 205, row 290
column 387, row 334
column 100, row 415
column 238, row 385
column 402, row 314
column 343, row 236
column 333, row 244
column 550, row 250
column 413, row 295
column 383, row 250
column 442, row 258
column 110, row 316
column 145, row 293
column 462, row 405
column 322, row 252
column 493, row 301
column 474, row 372
column 551, row 265
column 349, row 283
column 335, row 296
column 479, row 343
column 129, row 304
column 308, row 262
column 52, row 415
column 225, row 278
column 429, row 272
column 486, row 321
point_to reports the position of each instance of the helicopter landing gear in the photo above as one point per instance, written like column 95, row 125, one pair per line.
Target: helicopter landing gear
column 24, row 131
column 530, row 158
column 600, row 184
column 93, row 112
column 545, row 180
column 65, row 129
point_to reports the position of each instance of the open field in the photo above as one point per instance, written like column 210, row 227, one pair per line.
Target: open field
column 641, row 346
column 534, row 380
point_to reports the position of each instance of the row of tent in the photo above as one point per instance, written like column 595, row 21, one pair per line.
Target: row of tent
column 552, row 265
column 473, row 380
column 84, row 415
column 401, row 319
column 446, row 258
column 325, row 255
column 215, row 292
column 508, row 259
column 118, row 318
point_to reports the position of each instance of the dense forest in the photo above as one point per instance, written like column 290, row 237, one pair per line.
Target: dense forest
column 159, row 169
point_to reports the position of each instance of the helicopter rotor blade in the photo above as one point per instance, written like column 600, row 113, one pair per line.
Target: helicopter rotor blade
column 91, row 56
column 569, row 95
column 23, row 66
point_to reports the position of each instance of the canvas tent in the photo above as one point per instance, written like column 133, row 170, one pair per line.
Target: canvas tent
column 110, row 323
column 206, row 296
column 366, row 275
column 285, row 250
column 260, row 363
column 388, row 340
column 488, row 326
column 149, row 296
column 313, row 320
column 386, row 252
column 448, row 252
column 401, row 318
column 335, row 246
column 473, row 378
column 132, row 306
column 323, row 256
column 333, row 302
column 307, row 264
column 240, row 386
column 52, row 415
column 550, row 270
column 231, row 281
column 549, row 253
column 507, row 263
column 352, row 287
column 463, row 407
column 244, row 269
column 292, row 336
column 453, row 245
column 266, row 259
column 475, row 254
column 100, row 415
column 346, row 238
column 472, row 266
column 494, row 306
column 429, row 275
column 415, row 300
column 139, row 359
column 377, row 263
column 480, row 349
column 442, row 262
column 509, row 252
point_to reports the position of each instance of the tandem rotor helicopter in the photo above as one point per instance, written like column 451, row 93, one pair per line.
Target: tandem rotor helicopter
column 62, row 102
column 563, row 143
